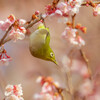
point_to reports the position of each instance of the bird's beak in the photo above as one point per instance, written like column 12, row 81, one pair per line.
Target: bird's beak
column 55, row 62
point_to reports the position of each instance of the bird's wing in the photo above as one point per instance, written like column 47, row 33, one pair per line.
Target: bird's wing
column 39, row 38
column 45, row 35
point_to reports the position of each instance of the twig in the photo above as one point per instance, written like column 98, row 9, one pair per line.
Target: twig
column 87, row 62
column 90, row 3
column 6, row 40
column 5, row 35
column 73, row 21
column 82, row 53
column 54, row 3
column 34, row 22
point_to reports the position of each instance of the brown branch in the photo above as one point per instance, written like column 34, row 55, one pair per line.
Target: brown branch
column 87, row 62
column 81, row 51
column 5, row 35
column 90, row 3
column 55, row 2
column 6, row 40
column 34, row 22
column 73, row 21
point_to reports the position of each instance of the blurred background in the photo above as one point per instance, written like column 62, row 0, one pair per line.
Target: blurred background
column 24, row 68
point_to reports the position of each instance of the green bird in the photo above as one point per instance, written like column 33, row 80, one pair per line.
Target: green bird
column 39, row 44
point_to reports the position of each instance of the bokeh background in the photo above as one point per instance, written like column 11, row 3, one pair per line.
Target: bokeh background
column 24, row 68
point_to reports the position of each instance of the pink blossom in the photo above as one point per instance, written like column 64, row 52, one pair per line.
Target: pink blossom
column 80, row 41
column 17, row 31
column 63, row 7
column 44, row 15
column 75, row 5
column 96, row 10
column 4, row 58
column 49, row 10
column 13, row 97
column 1, row 23
column 39, row 79
column 11, row 19
column 86, row 88
column 37, row 12
column 46, row 96
column 18, row 34
column 94, row 96
column 71, row 35
column 21, row 21
column 13, row 92
column 6, row 24
column 22, row 29
column 58, row 12
column 49, row 89
column 14, row 89
column 84, row 72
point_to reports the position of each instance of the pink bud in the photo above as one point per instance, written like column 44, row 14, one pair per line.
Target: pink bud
column 95, row 13
column 87, row 4
column 1, row 23
column 11, row 18
column 22, row 21
column 22, row 29
column 5, row 26
column 37, row 12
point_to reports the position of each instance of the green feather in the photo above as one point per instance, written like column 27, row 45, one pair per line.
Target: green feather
column 40, row 44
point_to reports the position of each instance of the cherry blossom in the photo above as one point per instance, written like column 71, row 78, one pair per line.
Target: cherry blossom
column 86, row 88
column 49, row 89
column 13, row 92
column 37, row 12
column 21, row 21
column 75, row 5
column 4, row 58
column 96, row 10
column 70, row 35
column 4, row 25
column 13, row 97
column 17, row 31
column 17, row 34
column 65, row 8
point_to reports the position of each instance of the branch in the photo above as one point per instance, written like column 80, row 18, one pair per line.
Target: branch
column 34, row 22
column 87, row 62
column 5, row 35
column 90, row 3
column 73, row 21
column 55, row 2
column 81, row 51
column 6, row 40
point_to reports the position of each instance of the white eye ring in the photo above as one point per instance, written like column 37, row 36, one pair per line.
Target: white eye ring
column 51, row 54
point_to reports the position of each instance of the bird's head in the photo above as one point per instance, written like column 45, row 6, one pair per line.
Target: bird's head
column 50, row 56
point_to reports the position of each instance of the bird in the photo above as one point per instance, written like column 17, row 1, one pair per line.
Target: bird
column 39, row 44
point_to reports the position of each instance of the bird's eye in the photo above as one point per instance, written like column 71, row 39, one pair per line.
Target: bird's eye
column 51, row 54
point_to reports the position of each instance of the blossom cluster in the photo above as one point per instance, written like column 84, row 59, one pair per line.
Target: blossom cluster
column 72, row 36
column 50, row 89
column 4, row 58
column 89, row 89
column 14, row 92
column 17, row 31
column 64, row 9
column 96, row 10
